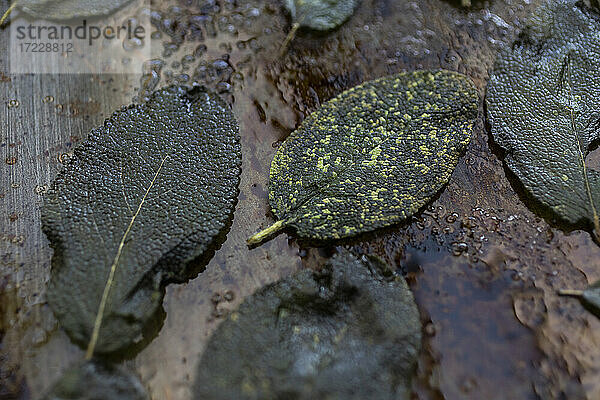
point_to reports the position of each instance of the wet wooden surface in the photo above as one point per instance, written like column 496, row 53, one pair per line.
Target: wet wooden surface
column 483, row 264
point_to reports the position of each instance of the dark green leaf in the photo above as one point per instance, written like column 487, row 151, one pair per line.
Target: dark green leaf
column 97, row 381
column 68, row 9
column 372, row 156
column 145, row 195
column 348, row 331
column 321, row 15
column 544, row 108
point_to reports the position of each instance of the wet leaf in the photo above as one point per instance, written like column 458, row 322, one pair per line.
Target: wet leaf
column 590, row 297
column 544, row 108
column 348, row 331
column 68, row 9
column 94, row 381
column 143, row 197
column 372, row 156
column 320, row 15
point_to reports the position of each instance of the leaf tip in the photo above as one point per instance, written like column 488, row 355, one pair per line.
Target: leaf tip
column 265, row 234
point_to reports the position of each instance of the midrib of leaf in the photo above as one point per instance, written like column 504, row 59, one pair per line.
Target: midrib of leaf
column 580, row 152
column 100, row 314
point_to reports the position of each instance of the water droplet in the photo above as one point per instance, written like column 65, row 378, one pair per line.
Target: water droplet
column 452, row 218
column 216, row 298
column 223, row 87
column 182, row 78
column 430, row 329
column 64, row 157
column 218, row 313
column 229, row 295
column 132, row 44
column 459, row 248
column 48, row 99
column 41, row 189
column 220, row 64
column 13, row 103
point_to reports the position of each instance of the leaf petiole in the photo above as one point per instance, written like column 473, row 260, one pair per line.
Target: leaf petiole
column 288, row 39
column 570, row 292
column 265, row 233
column 7, row 13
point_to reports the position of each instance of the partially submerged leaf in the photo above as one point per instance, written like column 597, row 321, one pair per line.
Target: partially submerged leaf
column 544, row 108
column 68, row 9
column 144, row 196
column 348, row 331
column 590, row 297
column 93, row 380
column 372, row 156
column 320, row 15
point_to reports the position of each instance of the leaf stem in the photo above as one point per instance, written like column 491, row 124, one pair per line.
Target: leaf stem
column 7, row 13
column 265, row 234
column 288, row 39
column 109, row 282
column 570, row 292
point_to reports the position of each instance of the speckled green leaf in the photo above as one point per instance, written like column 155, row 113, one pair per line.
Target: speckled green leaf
column 68, row 9
column 372, row 156
column 97, row 381
column 320, row 15
column 143, row 196
column 544, row 108
column 348, row 331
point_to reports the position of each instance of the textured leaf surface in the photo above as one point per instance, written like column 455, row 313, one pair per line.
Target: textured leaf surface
column 96, row 381
column 67, row 9
column 147, row 193
column 372, row 156
column 320, row 15
column 544, row 108
column 348, row 331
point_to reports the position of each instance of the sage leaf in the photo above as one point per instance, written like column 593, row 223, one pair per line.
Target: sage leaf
column 544, row 109
column 142, row 198
column 320, row 15
column 372, row 156
column 93, row 380
column 590, row 297
column 68, row 9
column 348, row 331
